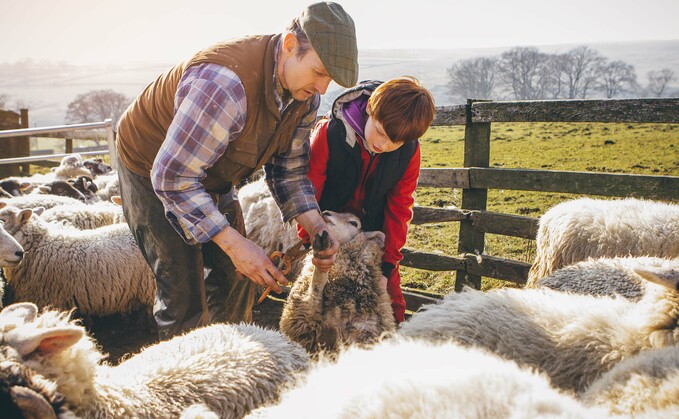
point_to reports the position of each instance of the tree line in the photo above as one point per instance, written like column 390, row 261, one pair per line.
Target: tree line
column 525, row 73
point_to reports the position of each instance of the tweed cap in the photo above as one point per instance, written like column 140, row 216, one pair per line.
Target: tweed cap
column 333, row 35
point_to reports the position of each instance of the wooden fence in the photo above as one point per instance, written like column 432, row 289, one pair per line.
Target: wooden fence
column 477, row 177
column 66, row 132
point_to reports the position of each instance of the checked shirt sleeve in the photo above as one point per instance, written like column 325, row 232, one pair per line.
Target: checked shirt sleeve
column 286, row 174
column 210, row 110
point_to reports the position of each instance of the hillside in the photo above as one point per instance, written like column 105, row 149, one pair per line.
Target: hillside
column 47, row 88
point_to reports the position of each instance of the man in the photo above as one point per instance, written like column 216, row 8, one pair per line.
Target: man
column 202, row 126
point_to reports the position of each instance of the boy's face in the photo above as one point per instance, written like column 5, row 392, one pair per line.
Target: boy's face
column 377, row 139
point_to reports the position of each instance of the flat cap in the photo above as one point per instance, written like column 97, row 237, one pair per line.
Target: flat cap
column 331, row 32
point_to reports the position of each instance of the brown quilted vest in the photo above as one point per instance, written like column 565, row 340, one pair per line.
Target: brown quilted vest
column 144, row 125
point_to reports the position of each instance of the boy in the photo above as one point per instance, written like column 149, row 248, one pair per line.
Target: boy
column 365, row 158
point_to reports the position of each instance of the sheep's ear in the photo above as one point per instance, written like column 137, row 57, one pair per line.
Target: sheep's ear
column 29, row 339
column 45, row 188
column 376, row 236
column 38, row 210
column 25, row 215
column 665, row 276
column 27, row 312
column 3, row 204
column 116, row 200
column 24, row 185
column 31, row 404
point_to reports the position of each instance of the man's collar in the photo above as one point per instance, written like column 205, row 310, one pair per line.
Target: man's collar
column 282, row 96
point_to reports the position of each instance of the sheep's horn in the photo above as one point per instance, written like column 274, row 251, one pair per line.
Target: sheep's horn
column 31, row 404
column 321, row 241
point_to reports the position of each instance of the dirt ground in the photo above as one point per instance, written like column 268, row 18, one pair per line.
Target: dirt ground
column 121, row 337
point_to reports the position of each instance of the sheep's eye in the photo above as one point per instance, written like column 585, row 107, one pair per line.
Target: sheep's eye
column 354, row 223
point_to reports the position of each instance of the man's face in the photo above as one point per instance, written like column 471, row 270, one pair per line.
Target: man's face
column 302, row 76
column 377, row 139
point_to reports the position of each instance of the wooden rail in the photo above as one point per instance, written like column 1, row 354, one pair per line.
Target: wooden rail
column 477, row 177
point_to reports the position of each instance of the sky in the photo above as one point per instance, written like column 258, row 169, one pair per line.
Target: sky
column 126, row 31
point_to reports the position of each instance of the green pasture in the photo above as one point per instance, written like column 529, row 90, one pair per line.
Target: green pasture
column 651, row 149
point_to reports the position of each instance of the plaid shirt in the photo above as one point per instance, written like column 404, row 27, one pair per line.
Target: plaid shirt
column 210, row 111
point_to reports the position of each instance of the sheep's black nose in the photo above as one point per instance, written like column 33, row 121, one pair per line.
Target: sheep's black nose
column 19, row 253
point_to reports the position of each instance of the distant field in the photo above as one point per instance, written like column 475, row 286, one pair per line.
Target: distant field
column 614, row 148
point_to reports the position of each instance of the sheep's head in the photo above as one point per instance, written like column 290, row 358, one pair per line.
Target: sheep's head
column 25, row 337
column 72, row 160
column 11, row 252
column 24, row 393
column 13, row 218
column 13, row 187
column 61, row 188
column 343, row 226
column 97, row 166
column 664, row 298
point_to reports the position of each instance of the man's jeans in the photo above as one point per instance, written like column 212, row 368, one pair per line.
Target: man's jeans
column 185, row 299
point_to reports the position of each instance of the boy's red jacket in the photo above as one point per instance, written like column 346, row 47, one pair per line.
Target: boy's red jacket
column 398, row 210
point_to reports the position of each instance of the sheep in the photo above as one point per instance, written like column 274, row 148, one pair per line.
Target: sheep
column 71, row 166
column 606, row 276
column 60, row 188
column 86, row 186
column 84, row 216
column 645, row 383
column 107, row 186
column 573, row 338
column 4, row 193
column 13, row 187
column 346, row 305
column 230, row 368
column 39, row 200
column 584, row 228
column 414, row 379
column 25, row 394
column 100, row 271
column 97, row 167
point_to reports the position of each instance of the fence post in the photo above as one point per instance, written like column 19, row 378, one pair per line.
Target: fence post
column 24, row 143
column 476, row 154
column 110, row 137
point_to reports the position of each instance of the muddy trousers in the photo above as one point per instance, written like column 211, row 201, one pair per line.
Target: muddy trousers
column 185, row 297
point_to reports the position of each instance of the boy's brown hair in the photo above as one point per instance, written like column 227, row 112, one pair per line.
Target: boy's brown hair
column 404, row 107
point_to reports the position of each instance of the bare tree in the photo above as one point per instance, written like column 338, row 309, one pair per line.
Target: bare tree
column 580, row 67
column 617, row 77
column 4, row 100
column 473, row 78
column 96, row 105
column 658, row 80
column 526, row 72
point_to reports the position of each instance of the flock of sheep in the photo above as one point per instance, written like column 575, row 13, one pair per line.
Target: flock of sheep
column 594, row 333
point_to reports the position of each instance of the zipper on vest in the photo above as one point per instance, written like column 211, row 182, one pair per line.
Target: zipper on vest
column 367, row 171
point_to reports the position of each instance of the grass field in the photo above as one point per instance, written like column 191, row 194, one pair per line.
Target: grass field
column 613, row 148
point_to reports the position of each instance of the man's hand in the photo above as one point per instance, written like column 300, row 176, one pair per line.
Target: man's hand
column 250, row 260
column 313, row 223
